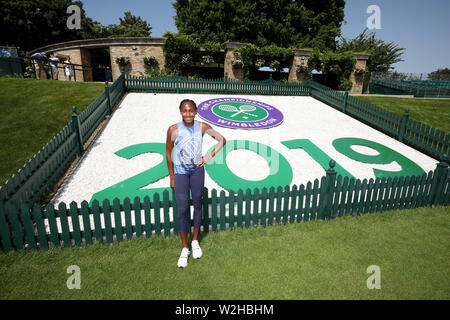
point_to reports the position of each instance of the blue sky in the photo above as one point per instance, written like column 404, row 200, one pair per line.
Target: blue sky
column 421, row 27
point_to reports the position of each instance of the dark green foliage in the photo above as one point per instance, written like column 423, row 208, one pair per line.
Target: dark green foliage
column 183, row 50
column 440, row 74
column 130, row 26
column 254, row 57
column 30, row 24
column 338, row 65
column 263, row 22
column 383, row 55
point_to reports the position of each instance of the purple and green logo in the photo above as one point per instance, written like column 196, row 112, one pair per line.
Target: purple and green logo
column 240, row 113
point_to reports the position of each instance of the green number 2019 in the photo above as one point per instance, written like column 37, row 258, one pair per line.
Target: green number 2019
column 280, row 169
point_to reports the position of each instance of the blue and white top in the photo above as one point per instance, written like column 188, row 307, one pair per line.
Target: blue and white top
column 188, row 148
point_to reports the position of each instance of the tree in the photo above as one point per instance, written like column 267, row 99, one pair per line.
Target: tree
column 30, row 24
column 383, row 55
column 440, row 74
column 130, row 26
column 284, row 23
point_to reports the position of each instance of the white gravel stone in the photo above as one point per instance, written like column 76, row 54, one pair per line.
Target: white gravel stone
column 145, row 117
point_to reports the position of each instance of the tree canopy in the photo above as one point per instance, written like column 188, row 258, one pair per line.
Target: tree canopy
column 30, row 24
column 383, row 54
column 130, row 26
column 284, row 23
column 440, row 74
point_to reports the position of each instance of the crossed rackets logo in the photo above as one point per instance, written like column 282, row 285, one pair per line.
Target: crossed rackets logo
column 240, row 112
column 245, row 109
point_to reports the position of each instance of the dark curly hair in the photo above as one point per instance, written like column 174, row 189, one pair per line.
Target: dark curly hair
column 190, row 101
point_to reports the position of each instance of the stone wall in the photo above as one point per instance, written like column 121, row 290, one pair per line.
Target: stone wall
column 136, row 55
column 138, row 48
column 79, row 52
column 77, row 56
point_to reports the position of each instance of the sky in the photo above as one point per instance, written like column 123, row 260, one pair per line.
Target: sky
column 421, row 27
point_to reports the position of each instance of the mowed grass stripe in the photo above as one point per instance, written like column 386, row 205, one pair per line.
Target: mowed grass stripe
column 32, row 112
column 433, row 112
column 313, row 260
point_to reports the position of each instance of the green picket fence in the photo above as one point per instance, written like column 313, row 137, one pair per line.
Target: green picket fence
column 177, row 84
column 28, row 227
column 415, row 87
column 423, row 137
column 30, row 182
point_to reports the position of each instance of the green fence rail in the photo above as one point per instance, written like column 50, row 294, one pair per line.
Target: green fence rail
column 423, row 137
column 224, row 85
column 28, row 227
column 11, row 67
column 412, row 87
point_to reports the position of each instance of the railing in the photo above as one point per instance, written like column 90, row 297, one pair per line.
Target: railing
column 224, row 85
column 429, row 140
column 412, row 87
column 11, row 66
column 30, row 227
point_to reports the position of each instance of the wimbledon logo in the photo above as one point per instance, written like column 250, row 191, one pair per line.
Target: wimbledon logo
column 240, row 113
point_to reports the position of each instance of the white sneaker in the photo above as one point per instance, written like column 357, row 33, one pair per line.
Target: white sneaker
column 196, row 250
column 183, row 260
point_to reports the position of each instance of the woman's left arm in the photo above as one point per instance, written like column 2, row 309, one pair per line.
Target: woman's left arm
column 221, row 141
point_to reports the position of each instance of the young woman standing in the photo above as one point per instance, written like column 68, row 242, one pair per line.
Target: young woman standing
column 187, row 172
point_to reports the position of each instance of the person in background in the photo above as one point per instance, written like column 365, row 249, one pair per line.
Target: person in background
column 39, row 57
column 108, row 74
column 68, row 70
column 5, row 53
column 54, row 64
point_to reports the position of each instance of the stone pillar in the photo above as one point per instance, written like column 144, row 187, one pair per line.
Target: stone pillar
column 301, row 57
column 358, row 79
column 232, row 72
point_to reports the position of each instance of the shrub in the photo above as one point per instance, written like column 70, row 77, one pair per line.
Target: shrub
column 359, row 71
column 151, row 61
column 207, row 59
column 302, row 69
column 260, row 63
column 237, row 64
column 122, row 60
column 182, row 50
column 275, row 64
column 338, row 64
column 273, row 56
column 186, row 59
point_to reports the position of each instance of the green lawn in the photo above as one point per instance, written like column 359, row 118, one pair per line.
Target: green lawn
column 433, row 112
column 32, row 112
column 312, row 260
